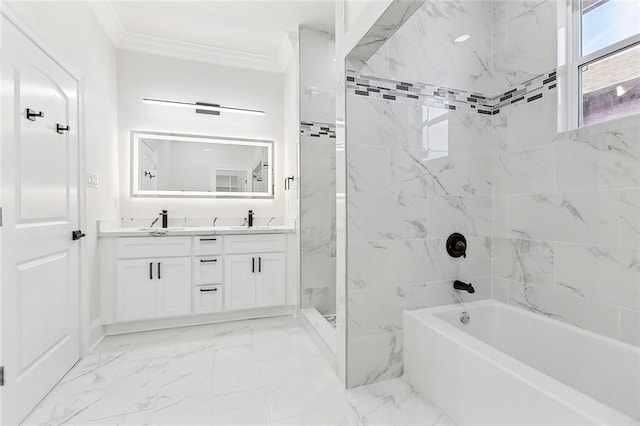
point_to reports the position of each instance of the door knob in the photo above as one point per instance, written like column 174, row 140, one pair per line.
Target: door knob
column 76, row 235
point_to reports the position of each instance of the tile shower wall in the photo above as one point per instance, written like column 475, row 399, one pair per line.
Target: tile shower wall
column 416, row 172
column 553, row 220
column 566, row 205
column 317, row 171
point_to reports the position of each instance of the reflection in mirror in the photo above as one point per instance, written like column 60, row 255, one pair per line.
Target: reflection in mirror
column 169, row 164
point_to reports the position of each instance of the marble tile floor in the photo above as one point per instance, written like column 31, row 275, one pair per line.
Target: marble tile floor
column 255, row 372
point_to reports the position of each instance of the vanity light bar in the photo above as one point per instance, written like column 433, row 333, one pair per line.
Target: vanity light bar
column 201, row 106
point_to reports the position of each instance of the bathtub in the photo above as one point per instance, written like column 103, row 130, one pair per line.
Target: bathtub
column 508, row 366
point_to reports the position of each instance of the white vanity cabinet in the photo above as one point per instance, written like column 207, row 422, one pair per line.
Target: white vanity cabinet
column 152, row 287
column 170, row 279
column 255, row 277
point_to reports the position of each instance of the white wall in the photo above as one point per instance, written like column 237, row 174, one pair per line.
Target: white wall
column 291, row 127
column 73, row 32
column 149, row 76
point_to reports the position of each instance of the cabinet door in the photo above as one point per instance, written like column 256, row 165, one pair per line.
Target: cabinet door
column 135, row 291
column 173, row 286
column 240, row 281
column 270, row 283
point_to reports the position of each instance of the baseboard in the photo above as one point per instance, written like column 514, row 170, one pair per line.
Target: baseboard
column 158, row 324
column 96, row 333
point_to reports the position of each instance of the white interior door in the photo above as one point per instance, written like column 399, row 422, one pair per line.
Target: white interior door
column 40, row 266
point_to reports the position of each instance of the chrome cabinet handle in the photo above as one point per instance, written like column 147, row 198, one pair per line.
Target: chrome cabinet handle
column 208, row 239
column 253, row 265
column 150, row 270
column 208, row 289
column 208, row 260
column 260, row 264
column 159, row 276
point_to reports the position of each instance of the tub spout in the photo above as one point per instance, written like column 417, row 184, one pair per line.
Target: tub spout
column 459, row 285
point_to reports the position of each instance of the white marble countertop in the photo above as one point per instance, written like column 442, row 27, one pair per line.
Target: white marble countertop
column 186, row 227
column 191, row 230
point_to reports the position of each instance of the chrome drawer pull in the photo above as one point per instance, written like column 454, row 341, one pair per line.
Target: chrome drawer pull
column 208, row 289
column 208, row 260
column 208, row 239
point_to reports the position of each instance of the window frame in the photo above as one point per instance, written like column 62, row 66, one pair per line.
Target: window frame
column 570, row 53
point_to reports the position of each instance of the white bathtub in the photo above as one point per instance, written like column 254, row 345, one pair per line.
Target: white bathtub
column 509, row 366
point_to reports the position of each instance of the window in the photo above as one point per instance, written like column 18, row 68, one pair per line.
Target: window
column 604, row 60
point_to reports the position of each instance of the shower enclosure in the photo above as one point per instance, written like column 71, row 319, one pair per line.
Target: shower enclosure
column 451, row 127
column 317, row 82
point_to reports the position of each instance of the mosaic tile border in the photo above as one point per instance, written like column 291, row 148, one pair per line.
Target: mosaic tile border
column 447, row 98
column 317, row 130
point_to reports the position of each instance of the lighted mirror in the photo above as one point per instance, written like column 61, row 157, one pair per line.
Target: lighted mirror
column 180, row 165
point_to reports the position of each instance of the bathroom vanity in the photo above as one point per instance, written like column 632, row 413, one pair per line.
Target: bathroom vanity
column 180, row 276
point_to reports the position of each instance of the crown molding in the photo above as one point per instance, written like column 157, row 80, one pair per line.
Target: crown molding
column 287, row 51
column 108, row 19
column 161, row 46
column 198, row 52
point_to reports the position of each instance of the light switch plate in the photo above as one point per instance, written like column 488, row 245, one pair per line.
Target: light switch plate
column 92, row 180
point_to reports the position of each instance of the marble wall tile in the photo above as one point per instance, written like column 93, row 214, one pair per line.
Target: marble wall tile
column 531, row 124
column 369, row 169
column 578, row 217
column 394, row 18
column 321, row 298
column 381, row 123
column 604, row 274
column 500, row 217
column 418, row 173
column 440, row 293
column 373, row 358
column 629, row 326
column 524, row 172
column 386, row 216
column 599, row 161
column 470, row 216
column 524, row 41
column 500, row 289
column 317, row 222
column 471, row 133
column 423, row 48
column 317, row 106
column 525, row 261
column 629, row 218
column 378, row 310
column 591, row 315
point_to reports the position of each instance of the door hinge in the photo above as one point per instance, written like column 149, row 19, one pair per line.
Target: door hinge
column 2, row 376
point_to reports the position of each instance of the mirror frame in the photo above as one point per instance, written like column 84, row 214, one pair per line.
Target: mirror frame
column 136, row 135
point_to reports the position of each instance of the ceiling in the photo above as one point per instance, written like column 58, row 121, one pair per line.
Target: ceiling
column 249, row 29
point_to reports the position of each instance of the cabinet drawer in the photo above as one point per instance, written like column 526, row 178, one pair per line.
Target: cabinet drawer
column 207, row 270
column 207, row 298
column 207, row 244
column 264, row 243
column 134, row 247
